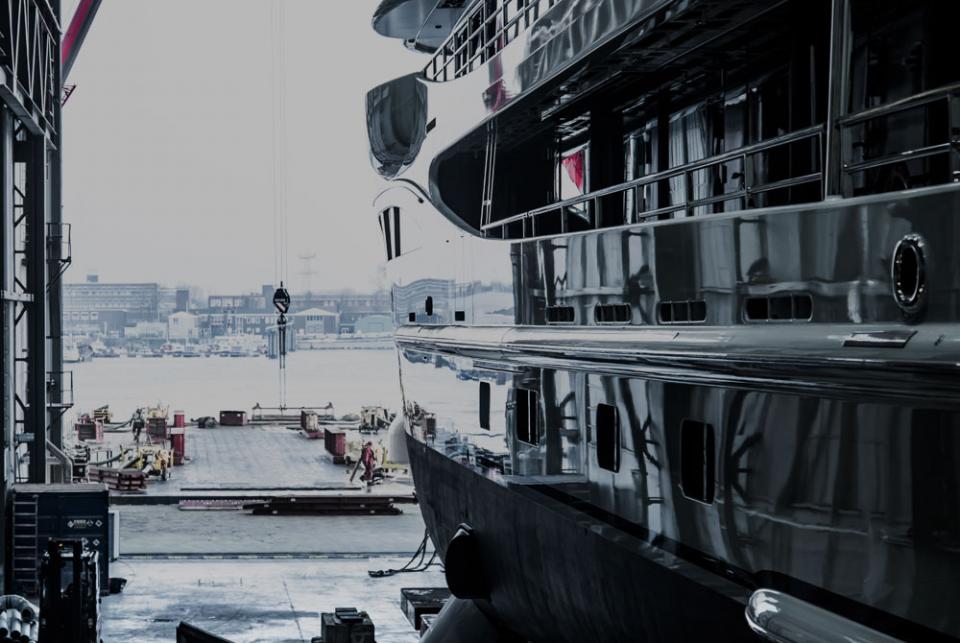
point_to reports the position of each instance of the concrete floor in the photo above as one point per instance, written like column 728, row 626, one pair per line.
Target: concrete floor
column 276, row 601
column 256, row 457
column 165, row 529
column 258, row 578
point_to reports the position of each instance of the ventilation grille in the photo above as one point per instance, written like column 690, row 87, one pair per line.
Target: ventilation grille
column 796, row 307
column 560, row 314
column 612, row 313
column 688, row 311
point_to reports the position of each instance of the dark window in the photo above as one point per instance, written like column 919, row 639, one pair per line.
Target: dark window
column 559, row 314
column 899, row 50
column 608, row 437
column 795, row 307
column 691, row 311
column 396, row 232
column 612, row 313
column 485, row 405
column 428, row 306
column 412, row 318
column 697, row 461
column 526, row 416
column 459, row 315
column 385, row 227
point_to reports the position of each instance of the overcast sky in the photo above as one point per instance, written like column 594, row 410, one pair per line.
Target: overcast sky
column 168, row 139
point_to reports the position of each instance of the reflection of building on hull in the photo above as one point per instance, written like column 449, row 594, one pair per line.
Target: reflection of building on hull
column 777, row 492
column 450, row 301
column 727, row 359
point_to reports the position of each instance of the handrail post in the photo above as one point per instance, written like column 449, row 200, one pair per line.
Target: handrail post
column 834, row 183
column 953, row 121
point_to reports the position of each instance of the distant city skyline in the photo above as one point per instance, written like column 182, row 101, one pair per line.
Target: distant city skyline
column 197, row 290
column 168, row 141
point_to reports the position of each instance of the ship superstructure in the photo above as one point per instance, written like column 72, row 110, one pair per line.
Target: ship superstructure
column 677, row 296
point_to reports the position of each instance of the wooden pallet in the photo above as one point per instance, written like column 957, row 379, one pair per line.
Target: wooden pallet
column 118, row 479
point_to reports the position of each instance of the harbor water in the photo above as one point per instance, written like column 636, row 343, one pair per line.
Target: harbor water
column 205, row 385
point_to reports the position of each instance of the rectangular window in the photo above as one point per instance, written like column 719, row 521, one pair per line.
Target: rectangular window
column 485, row 405
column 385, row 225
column 608, row 437
column 697, row 461
column 612, row 313
column 559, row 314
column 527, row 429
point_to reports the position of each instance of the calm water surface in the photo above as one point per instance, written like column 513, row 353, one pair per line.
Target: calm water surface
column 205, row 385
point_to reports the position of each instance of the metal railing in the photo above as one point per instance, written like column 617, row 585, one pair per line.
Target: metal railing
column 481, row 33
column 60, row 383
column 950, row 95
column 589, row 207
column 59, row 250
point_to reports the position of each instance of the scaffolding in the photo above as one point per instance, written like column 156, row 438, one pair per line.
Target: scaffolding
column 35, row 245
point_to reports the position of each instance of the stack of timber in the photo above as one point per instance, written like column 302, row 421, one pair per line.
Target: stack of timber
column 340, row 505
column 118, row 479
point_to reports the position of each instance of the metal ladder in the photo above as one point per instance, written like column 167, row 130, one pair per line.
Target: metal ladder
column 25, row 545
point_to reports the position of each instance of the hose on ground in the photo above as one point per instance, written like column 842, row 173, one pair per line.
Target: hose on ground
column 420, row 566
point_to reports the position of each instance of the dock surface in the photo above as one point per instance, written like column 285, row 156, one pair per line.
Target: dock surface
column 248, row 601
column 257, row 578
column 255, row 461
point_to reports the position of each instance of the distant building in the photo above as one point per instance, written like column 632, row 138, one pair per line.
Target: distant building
column 254, row 303
column 146, row 330
column 253, row 313
column 215, row 324
column 173, row 300
column 315, row 321
column 369, row 324
column 95, row 322
column 182, row 325
column 140, row 301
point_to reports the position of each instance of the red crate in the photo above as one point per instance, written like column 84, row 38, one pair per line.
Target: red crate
column 335, row 442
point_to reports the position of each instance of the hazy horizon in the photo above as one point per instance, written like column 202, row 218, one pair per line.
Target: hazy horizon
column 168, row 141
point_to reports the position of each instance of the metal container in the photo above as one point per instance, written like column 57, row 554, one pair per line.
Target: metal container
column 178, row 440
column 309, row 421
column 346, row 625
column 92, row 430
column 179, row 419
column 233, row 418
column 335, row 442
column 41, row 512
column 157, row 428
column 417, row 602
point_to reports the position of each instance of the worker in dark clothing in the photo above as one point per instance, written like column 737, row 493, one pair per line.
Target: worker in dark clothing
column 138, row 425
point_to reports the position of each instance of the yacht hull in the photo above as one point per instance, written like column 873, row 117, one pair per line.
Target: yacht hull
column 553, row 579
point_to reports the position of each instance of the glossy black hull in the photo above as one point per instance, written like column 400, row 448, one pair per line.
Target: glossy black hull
column 558, row 574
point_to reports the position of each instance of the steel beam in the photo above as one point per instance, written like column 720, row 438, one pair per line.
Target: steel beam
column 55, row 288
column 833, row 177
column 8, row 340
column 35, row 208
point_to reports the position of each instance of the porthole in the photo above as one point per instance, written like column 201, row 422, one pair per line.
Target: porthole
column 909, row 273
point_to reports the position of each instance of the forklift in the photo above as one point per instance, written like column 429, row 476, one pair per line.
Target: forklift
column 69, row 593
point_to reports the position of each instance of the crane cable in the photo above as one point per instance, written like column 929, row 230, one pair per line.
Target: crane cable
column 281, row 298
